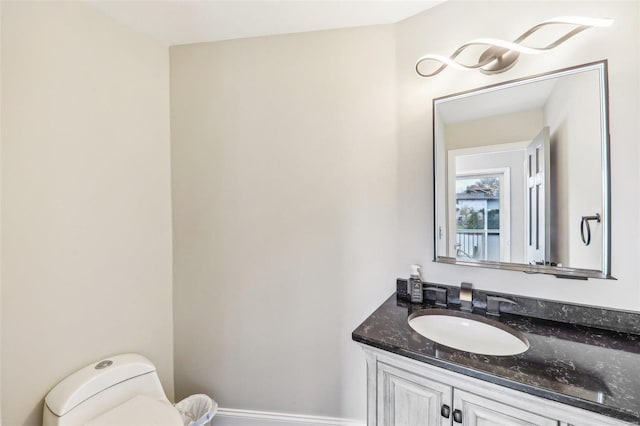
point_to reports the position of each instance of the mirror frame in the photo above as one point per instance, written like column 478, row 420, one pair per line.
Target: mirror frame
column 560, row 272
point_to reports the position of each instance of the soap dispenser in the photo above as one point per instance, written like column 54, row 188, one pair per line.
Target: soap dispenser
column 415, row 284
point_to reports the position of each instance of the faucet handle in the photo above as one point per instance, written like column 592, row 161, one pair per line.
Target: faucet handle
column 441, row 295
column 493, row 304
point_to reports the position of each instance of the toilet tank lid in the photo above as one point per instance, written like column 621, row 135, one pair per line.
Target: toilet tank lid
column 94, row 378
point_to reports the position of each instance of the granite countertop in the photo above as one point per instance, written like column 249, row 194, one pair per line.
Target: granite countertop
column 586, row 367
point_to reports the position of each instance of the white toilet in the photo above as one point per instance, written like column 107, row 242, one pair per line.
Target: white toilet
column 123, row 390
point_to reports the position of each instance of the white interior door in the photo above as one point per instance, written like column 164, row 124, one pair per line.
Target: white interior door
column 537, row 169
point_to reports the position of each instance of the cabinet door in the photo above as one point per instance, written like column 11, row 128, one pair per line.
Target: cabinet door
column 480, row 411
column 406, row 399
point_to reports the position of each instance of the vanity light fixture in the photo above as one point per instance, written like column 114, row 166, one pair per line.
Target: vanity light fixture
column 502, row 55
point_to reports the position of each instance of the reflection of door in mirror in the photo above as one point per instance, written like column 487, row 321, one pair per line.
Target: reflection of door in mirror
column 538, row 196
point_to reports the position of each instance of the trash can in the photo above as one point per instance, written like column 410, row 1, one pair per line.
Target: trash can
column 197, row 410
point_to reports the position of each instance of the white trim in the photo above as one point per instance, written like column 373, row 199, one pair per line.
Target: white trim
column 505, row 247
column 235, row 417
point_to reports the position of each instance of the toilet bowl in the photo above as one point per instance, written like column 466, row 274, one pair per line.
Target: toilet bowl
column 123, row 390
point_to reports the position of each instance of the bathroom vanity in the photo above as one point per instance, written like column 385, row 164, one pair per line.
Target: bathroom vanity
column 534, row 199
column 582, row 367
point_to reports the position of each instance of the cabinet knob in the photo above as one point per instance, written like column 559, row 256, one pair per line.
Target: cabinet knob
column 445, row 411
column 457, row 416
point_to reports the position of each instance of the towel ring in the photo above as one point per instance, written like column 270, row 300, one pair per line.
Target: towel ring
column 585, row 220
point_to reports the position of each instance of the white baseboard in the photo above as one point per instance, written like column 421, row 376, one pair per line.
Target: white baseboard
column 232, row 417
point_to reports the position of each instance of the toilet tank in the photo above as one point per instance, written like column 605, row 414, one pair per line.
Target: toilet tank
column 99, row 387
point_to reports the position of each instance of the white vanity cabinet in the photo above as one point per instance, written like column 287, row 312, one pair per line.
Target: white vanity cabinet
column 408, row 399
column 404, row 392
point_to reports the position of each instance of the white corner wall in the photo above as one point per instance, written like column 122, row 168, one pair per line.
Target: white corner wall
column 86, row 220
column 442, row 30
column 284, row 184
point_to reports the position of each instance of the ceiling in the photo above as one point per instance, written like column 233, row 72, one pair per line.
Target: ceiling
column 519, row 98
column 188, row 21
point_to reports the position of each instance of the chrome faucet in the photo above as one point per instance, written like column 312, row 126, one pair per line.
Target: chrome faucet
column 466, row 297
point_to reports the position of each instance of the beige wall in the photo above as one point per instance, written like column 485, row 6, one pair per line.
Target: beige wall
column 284, row 183
column 0, row 214
column 86, row 243
column 442, row 30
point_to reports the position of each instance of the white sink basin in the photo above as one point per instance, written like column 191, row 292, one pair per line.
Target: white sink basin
column 468, row 332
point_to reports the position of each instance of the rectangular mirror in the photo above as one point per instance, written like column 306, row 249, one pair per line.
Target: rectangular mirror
column 522, row 175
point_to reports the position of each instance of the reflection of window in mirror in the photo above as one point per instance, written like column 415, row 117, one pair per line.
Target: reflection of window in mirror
column 478, row 233
column 488, row 182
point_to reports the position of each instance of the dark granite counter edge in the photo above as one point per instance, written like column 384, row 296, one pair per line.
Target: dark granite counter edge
column 619, row 414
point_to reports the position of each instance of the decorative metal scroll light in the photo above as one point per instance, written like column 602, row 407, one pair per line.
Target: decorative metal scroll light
column 503, row 55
